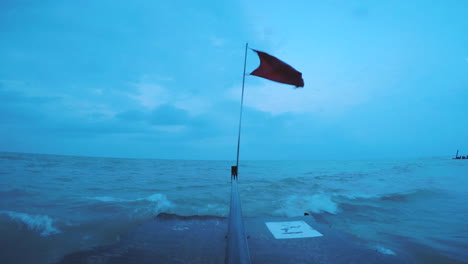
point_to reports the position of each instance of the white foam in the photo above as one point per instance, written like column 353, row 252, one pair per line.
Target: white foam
column 385, row 251
column 296, row 205
column 356, row 196
column 109, row 199
column 161, row 201
column 38, row 223
column 179, row 228
column 384, row 195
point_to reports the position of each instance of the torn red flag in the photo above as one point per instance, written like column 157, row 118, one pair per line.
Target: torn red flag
column 273, row 69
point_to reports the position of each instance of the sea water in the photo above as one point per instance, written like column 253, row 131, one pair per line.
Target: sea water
column 52, row 205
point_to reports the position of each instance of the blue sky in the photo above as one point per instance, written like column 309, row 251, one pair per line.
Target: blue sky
column 162, row 79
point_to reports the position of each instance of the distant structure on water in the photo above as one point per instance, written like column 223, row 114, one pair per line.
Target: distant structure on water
column 460, row 157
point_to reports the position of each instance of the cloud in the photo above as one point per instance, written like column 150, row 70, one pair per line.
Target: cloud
column 131, row 115
column 98, row 91
column 217, row 41
column 19, row 108
column 278, row 98
column 151, row 95
column 171, row 129
column 194, row 105
column 149, row 109
column 169, row 115
column 13, row 91
column 173, row 121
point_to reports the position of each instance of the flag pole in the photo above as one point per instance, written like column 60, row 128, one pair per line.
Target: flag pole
column 237, row 249
column 240, row 117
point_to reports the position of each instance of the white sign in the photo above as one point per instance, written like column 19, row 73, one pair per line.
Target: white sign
column 295, row 229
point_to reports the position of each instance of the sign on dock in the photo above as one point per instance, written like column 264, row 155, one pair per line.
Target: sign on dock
column 295, row 229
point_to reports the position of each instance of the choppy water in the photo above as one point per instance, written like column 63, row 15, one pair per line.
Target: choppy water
column 52, row 205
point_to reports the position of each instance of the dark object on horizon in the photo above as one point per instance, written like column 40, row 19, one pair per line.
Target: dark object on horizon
column 460, row 157
column 274, row 69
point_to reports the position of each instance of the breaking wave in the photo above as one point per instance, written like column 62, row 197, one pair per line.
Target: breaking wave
column 320, row 202
column 296, row 205
column 38, row 223
column 330, row 203
column 159, row 202
column 384, row 251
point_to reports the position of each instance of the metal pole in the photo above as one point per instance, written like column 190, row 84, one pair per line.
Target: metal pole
column 242, row 105
column 237, row 249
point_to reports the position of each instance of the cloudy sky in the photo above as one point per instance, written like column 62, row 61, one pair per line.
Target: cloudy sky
column 162, row 79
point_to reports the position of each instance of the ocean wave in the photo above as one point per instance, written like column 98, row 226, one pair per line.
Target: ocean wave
column 406, row 168
column 162, row 203
column 159, row 202
column 12, row 157
column 110, row 199
column 394, row 196
column 38, row 223
column 319, row 202
column 295, row 205
column 384, row 251
column 15, row 193
column 325, row 202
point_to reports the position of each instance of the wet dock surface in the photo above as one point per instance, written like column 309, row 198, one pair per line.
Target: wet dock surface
column 198, row 239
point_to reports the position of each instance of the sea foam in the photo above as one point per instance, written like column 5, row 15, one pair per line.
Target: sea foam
column 39, row 223
column 296, row 205
column 160, row 202
column 109, row 199
column 385, row 251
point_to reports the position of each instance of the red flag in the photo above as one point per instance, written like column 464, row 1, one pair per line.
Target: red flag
column 273, row 69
